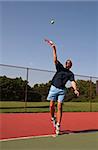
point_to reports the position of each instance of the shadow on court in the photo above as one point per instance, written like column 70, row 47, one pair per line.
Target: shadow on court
column 80, row 131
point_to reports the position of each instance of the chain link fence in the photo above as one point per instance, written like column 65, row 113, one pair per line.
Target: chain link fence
column 31, row 85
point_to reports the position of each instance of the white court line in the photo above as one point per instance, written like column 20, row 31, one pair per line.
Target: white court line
column 29, row 137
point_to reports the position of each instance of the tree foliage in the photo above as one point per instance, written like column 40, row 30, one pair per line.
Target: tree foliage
column 16, row 89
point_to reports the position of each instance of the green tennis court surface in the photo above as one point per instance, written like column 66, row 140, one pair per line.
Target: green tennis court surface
column 75, row 141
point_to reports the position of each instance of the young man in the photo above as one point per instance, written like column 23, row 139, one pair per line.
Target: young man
column 57, row 89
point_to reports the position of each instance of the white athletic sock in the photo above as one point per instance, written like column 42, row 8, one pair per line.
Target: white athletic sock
column 58, row 124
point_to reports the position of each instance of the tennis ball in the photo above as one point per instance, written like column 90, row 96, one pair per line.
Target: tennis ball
column 52, row 21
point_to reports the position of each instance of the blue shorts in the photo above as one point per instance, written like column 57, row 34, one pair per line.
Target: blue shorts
column 56, row 94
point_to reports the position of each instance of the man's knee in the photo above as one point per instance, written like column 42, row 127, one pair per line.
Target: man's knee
column 59, row 106
column 52, row 105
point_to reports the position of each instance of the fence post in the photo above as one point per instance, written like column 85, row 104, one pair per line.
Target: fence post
column 90, row 94
column 26, row 89
column 96, row 87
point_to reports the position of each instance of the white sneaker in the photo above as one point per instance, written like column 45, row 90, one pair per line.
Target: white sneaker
column 53, row 119
column 57, row 129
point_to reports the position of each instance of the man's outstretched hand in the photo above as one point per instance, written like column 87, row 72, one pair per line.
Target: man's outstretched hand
column 50, row 42
column 77, row 93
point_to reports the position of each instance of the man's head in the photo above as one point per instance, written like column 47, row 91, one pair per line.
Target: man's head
column 68, row 64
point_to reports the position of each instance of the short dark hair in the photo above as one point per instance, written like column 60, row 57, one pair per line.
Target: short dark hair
column 68, row 60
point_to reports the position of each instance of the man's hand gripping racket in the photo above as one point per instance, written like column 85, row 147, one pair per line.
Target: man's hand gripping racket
column 50, row 42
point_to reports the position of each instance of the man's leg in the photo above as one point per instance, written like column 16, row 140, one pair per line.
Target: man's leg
column 52, row 108
column 59, row 112
column 59, row 117
column 52, row 112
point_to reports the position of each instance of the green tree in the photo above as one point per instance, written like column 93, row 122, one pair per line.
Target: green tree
column 15, row 90
column 42, row 89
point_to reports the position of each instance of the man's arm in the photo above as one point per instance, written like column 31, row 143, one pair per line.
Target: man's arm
column 73, row 83
column 54, row 54
column 54, row 50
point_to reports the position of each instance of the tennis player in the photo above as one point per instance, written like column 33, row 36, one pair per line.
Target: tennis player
column 57, row 90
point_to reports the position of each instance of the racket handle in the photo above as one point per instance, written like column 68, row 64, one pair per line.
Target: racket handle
column 49, row 42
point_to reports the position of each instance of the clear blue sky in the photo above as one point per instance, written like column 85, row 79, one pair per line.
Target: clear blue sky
column 24, row 25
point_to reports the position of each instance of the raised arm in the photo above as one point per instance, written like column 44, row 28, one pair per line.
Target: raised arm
column 54, row 50
column 54, row 54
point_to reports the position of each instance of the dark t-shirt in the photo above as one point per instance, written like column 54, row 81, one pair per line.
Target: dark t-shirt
column 61, row 76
